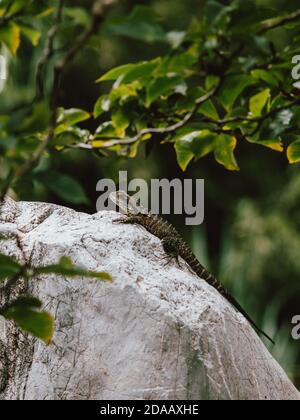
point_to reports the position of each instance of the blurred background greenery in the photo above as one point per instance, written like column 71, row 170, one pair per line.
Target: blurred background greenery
column 250, row 238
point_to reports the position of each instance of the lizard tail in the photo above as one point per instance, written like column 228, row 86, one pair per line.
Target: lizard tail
column 235, row 303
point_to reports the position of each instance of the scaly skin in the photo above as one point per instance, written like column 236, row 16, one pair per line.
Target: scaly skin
column 175, row 247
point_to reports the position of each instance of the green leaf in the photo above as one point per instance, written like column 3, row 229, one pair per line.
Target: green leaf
column 8, row 267
column 160, row 87
column 178, row 64
column 65, row 267
column 232, row 89
column 32, row 34
column 184, row 153
column 211, row 81
column 131, row 72
column 193, row 144
column 79, row 15
column 140, row 25
column 204, row 143
column 26, row 314
column 70, row 117
column 27, row 300
column 123, row 93
column 70, row 136
column 15, row 6
column 105, row 131
column 275, row 145
column 116, row 72
column 266, row 76
column 176, row 38
column 293, row 152
column 143, row 70
column 209, row 110
column 224, row 152
column 120, row 122
column 102, row 105
column 259, row 101
column 10, row 35
column 37, row 120
column 64, row 187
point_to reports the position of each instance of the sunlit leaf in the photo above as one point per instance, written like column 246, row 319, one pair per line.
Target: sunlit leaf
column 120, row 122
column 102, row 105
column 70, row 117
column 123, row 93
column 116, row 72
column 275, row 145
column 32, row 34
column 293, row 152
column 266, row 76
column 258, row 102
column 10, row 35
column 224, row 152
column 193, row 144
column 161, row 86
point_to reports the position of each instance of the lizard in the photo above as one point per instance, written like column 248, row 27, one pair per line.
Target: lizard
column 174, row 246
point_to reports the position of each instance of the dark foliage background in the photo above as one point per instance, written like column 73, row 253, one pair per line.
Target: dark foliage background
column 250, row 238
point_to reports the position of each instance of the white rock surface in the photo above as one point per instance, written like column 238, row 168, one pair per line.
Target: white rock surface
column 157, row 332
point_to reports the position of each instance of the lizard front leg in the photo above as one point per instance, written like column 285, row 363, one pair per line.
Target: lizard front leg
column 129, row 220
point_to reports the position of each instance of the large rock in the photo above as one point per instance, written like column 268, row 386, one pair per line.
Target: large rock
column 157, row 332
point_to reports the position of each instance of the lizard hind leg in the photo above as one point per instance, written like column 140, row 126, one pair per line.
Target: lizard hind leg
column 171, row 249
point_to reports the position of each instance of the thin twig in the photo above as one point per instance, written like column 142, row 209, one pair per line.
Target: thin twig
column 293, row 17
column 245, row 118
column 99, row 11
column 259, row 120
column 170, row 129
column 48, row 52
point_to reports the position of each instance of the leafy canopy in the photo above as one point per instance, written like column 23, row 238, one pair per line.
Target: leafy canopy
column 224, row 80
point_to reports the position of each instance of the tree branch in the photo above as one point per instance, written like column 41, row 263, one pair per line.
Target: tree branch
column 48, row 52
column 165, row 130
column 98, row 14
column 293, row 17
column 99, row 11
column 245, row 118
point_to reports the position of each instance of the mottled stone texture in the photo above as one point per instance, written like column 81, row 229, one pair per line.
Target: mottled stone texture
column 157, row 332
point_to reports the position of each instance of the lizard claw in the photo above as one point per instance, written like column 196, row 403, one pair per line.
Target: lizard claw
column 170, row 258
